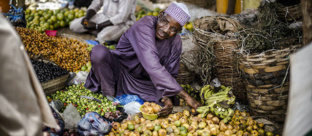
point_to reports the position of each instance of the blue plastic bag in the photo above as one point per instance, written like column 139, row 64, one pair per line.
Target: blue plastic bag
column 93, row 124
column 127, row 98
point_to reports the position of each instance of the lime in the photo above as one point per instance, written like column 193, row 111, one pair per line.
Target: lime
column 76, row 14
column 157, row 127
column 62, row 23
column 80, row 15
column 189, row 26
column 111, row 47
column 149, row 13
column 28, row 11
column 71, row 16
column 56, row 25
column 53, row 19
column 84, row 68
column 131, row 127
column 155, row 13
column 60, row 16
column 66, row 14
column 46, row 25
column 157, row 9
column 51, row 27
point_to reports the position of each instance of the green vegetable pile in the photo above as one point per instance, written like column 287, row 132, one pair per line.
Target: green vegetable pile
column 83, row 105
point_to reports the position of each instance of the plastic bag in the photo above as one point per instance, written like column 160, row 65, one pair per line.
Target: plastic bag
column 127, row 98
column 123, row 115
column 59, row 121
column 132, row 107
column 93, row 124
column 71, row 117
column 16, row 16
column 80, row 77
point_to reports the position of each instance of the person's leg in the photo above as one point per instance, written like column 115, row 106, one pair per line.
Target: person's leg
column 104, row 73
column 111, row 33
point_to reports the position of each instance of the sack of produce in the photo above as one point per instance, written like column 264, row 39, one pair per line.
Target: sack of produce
column 93, row 124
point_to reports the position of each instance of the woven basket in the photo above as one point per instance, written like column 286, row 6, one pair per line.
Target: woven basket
column 267, row 82
column 185, row 76
column 225, row 68
column 54, row 85
column 289, row 13
column 207, row 31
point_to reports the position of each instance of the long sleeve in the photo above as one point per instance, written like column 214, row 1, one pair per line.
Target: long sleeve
column 174, row 61
column 124, row 11
column 96, row 5
column 142, row 38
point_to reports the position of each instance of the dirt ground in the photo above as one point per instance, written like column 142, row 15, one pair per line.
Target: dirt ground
column 68, row 33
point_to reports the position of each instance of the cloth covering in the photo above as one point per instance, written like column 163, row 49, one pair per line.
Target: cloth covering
column 141, row 64
column 24, row 108
column 120, row 12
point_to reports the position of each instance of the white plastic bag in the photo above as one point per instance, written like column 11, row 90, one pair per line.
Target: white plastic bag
column 132, row 107
column 71, row 117
column 80, row 77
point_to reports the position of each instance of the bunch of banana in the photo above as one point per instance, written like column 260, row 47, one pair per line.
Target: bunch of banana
column 225, row 95
column 205, row 93
column 224, row 113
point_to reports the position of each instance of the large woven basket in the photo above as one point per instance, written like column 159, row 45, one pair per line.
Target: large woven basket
column 225, row 67
column 289, row 13
column 267, row 81
column 185, row 76
column 207, row 31
column 54, row 85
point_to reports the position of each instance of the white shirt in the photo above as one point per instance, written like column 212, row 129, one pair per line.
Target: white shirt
column 117, row 11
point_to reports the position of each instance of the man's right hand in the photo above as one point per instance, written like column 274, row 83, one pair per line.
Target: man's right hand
column 90, row 13
column 189, row 100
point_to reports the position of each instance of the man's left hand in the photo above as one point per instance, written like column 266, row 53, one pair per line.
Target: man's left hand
column 167, row 109
column 90, row 25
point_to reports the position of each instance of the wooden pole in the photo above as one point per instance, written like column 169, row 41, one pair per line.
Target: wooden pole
column 306, row 6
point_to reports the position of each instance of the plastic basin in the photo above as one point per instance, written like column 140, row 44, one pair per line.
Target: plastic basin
column 148, row 116
column 50, row 32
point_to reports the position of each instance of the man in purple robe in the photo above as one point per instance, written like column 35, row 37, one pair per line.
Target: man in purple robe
column 145, row 62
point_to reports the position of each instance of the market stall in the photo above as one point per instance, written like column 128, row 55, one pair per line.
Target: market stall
column 236, row 66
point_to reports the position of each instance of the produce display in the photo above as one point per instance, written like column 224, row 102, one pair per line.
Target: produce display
column 150, row 108
column 47, row 71
column 217, row 102
column 81, row 98
column 185, row 124
column 69, row 54
column 191, row 91
column 41, row 20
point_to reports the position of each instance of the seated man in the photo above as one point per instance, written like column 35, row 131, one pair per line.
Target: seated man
column 145, row 62
column 117, row 17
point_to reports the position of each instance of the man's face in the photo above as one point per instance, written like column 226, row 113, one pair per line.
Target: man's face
column 166, row 26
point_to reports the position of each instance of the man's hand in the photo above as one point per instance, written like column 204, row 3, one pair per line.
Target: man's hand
column 167, row 109
column 189, row 100
column 89, row 25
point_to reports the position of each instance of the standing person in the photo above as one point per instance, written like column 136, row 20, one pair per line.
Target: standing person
column 145, row 62
column 117, row 17
column 24, row 108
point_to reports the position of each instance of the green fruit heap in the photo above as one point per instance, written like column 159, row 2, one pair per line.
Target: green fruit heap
column 83, row 105
column 41, row 20
column 217, row 102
